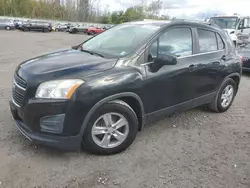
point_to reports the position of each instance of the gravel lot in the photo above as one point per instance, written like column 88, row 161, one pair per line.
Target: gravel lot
column 192, row 149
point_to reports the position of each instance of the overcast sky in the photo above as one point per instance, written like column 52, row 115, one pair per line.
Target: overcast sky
column 190, row 8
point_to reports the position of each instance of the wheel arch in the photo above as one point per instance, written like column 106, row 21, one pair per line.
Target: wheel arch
column 127, row 97
column 235, row 77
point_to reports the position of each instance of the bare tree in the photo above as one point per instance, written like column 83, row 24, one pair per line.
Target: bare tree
column 83, row 10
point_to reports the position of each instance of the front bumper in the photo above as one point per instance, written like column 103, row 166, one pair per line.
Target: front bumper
column 30, row 129
column 60, row 142
column 246, row 69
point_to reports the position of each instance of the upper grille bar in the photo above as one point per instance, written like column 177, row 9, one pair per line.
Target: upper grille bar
column 19, row 82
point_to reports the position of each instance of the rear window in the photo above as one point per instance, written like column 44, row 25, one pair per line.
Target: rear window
column 207, row 41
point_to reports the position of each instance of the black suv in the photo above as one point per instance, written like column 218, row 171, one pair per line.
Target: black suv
column 102, row 92
column 36, row 26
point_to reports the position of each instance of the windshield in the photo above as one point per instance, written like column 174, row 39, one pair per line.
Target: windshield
column 120, row 40
column 225, row 22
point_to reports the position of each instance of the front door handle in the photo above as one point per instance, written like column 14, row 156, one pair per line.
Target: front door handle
column 191, row 67
column 224, row 58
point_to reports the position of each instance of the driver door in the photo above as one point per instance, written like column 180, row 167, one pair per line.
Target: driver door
column 170, row 88
column 244, row 26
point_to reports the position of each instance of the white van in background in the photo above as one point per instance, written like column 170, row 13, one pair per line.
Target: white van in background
column 234, row 25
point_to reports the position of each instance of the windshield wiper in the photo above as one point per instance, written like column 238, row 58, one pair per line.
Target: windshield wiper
column 92, row 53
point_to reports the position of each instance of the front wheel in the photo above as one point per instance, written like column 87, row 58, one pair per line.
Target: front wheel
column 45, row 30
column 111, row 129
column 225, row 96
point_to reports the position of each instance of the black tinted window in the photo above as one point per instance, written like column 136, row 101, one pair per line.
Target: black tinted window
column 176, row 41
column 207, row 41
column 220, row 42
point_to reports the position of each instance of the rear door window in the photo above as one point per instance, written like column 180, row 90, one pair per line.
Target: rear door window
column 207, row 41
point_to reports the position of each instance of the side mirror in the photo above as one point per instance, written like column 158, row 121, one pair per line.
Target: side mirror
column 232, row 32
column 75, row 47
column 162, row 60
column 166, row 59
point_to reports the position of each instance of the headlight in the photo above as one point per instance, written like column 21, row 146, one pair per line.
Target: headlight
column 58, row 89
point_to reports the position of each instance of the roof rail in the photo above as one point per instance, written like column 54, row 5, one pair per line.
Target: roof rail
column 197, row 21
column 188, row 20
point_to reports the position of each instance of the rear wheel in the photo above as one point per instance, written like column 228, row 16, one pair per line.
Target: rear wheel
column 225, row 96
column 111, row 129
column 74, row 31
column 7, row 28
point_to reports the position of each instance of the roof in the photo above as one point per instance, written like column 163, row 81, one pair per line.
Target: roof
column 150, row 22
column 162, row 23
column 227, row 16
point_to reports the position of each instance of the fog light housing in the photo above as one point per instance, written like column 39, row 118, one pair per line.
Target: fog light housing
column 52, row 124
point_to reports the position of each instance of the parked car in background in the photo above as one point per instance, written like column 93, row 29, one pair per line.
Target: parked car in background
column 36, row 26
column 103, row 91
column 94, row 30
column 243, row 50
column 7, row 24
column 20, row 24
column 69, row 25
column 61, row 27
column 17, row 23
column 80, row 28
column 106, row 27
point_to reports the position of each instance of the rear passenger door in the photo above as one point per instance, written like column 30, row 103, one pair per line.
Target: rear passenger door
column 210, row 52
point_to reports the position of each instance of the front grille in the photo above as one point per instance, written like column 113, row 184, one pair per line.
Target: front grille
column 20, row 82
column 18, row 90
column 17, row 97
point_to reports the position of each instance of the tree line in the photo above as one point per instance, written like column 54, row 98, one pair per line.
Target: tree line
column 79, row 10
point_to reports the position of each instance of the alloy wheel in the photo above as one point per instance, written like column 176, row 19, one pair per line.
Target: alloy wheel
column 227, row 96
column 110, row 130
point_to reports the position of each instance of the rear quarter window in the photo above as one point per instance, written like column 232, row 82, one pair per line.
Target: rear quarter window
column 220, row 42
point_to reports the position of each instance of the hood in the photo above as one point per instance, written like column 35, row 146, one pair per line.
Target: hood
column 229, row 30
column 232, row 35
column 244, row 50
column 63, row 64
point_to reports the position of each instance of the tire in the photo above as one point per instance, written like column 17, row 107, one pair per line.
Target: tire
column 26, row 29
column 117, row 109
column 74, row 31
column 92, row 33
column 217, row 103
column 46, row 30
column 7, row 28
